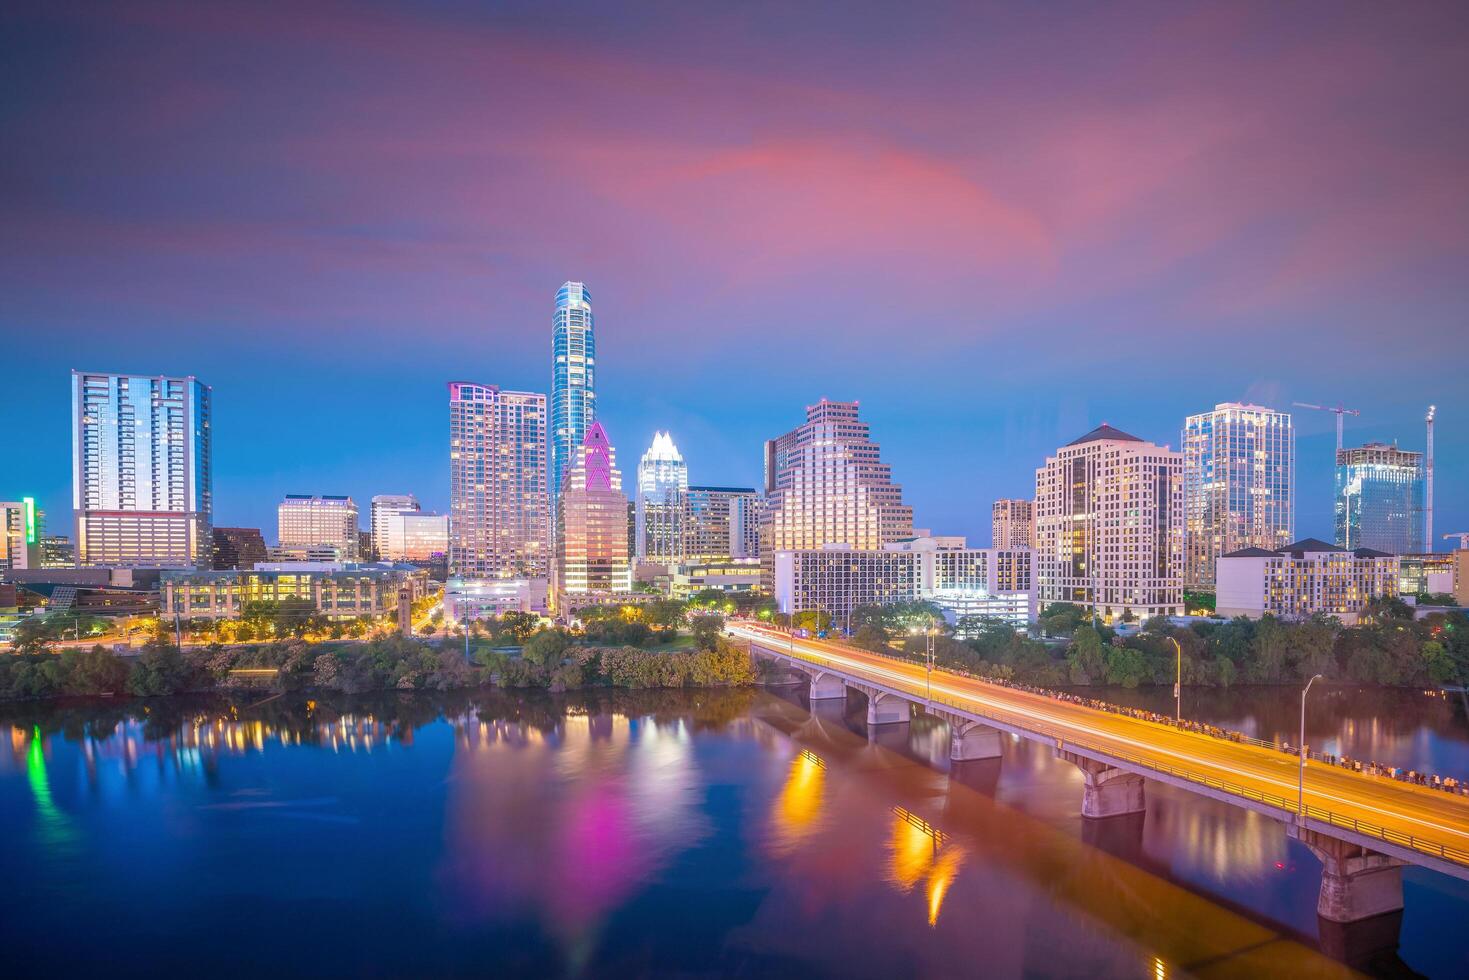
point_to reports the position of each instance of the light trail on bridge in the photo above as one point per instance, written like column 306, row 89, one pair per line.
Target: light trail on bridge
column 1426, row 817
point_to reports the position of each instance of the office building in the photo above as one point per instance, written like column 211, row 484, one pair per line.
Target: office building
column 1109, row 526
column 720, row 523
column 20, row 534
column 592, row 538
column 573, row 380
column 499, row 508
column 825, row 483
column 414, row 537
column 381, row 506
column 1380, row 499
column 141, row 476
column 318, row 524
column 1431, row 574
column 1012, row 524
column 57, row 552
column 1302, row 579
column 340, row 590
column 727, row 575
column 238, row 547
column 1238, row 485
column 663, row 479
column 470, row 599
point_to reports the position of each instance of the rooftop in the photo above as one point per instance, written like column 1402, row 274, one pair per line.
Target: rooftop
column 1105, row 433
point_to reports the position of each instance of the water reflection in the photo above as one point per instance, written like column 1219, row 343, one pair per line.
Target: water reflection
column 798, row 808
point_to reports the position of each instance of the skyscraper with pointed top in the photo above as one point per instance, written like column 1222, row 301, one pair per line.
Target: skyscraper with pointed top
column 663, row 482
column 573, row 379
column 591, row 539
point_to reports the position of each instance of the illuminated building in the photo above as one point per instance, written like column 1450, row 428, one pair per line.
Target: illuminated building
column 381, row 506
column 729, row 575
column 414, row 537
column 1379, row 499
column 720, row 523
column 1302, row 579
column 340, row 590
column 318, row 524
column 825, row 484
column 1012, row 524
column 469, row 599
column 57, row 552
column 499, row 509
column 20, row 534
column 238, row 547
column 573, row 380
column 592, row 537
column 141, row 476
column 1109, row 526
column 663, row 478
column 1433, row 574
column 1238, row 485
column 964, row 581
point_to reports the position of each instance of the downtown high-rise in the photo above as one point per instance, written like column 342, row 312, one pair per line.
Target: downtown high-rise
column 720, row 524
column 663, row 480
column 383, row 506
column 1380, row 499
column 142, row 492
column 1238, row 485
column 310, row 525
column 573, row 379
column 499, row 508
column 1012, row 524
column 592, row 538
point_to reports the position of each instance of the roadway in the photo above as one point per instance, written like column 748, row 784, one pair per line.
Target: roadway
column 1424, row 814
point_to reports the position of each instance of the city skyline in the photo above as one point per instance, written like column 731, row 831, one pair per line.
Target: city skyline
column 1261, row 207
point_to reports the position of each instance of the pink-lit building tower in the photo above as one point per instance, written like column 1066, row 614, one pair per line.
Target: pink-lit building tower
column 592, row 523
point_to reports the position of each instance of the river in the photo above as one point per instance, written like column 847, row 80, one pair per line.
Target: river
column 694, row 833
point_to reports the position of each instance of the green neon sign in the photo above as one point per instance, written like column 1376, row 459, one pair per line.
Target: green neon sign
column 30, row 503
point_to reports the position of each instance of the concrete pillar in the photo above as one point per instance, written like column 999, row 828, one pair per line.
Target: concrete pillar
column 971, row 740
column 827, row 687
column 886, row 709
column 1356, row 883
column 1108, row 792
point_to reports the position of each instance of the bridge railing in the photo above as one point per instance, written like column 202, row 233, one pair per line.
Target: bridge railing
column 1065, row 737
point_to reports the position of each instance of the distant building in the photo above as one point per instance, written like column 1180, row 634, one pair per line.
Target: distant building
column 20, row 544
column 142, row 492
column 1380, row 499
column 719, row 524
column 238, row 547
column 825, row 483
column 663, row 479
column 728, row 575
column 1461, row 576
column 1433, row 574
column 1302, row 579
column 340, row 590
column 592, row 537
column 381, row 506
column 414, row 537
column 1238, row 485
column 573, row 381
column 499, row 508
column 57, row 552
column 488, row 598
column 1012, row 524
column 1109, row 526
column 316, row 523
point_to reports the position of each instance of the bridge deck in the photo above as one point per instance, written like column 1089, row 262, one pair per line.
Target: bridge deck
column 1425, row 825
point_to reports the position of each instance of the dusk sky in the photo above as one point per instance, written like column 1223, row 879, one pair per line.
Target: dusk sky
column 995, row 226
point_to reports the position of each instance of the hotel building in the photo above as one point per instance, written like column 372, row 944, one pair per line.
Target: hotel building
column 340, row 591
column 1238, row 485
column 1379, row 499
column 141, row 476
column 318, row 524
column 1012, row 524
column 1302, row 579
column 499, row 508
column 591, row 540
column 1109, row 526
column 663, row 479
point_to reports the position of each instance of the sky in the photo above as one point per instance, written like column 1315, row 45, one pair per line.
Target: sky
column 995, row 226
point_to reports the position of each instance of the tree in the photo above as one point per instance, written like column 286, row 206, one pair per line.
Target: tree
column 1125, row 666
column 1061, row 619
column 1084, row 657
column 546, row 648
column 871, row 636
column 94, row 671
column 32, row 635
column 664, row 615
column 706, row 628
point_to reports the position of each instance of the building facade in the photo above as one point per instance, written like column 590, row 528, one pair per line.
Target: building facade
column 20, row 534
column 57, row 551
column 663, row 479
column 825, row 483
column 1012, row 524
column 414, row 537
column 1302, row 579
column 318, row 523
column 1109, row 526
column 238, row 547
column 381, row 506
column 142, row 491
column 591, row 542
column 720, row 524
column 341, row 591
column 573, row 380
column 499, row 508
column 1380, row 499
column 1238, row 485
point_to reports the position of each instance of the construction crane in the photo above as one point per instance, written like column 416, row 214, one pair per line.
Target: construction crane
column 1463, row 537
column 1340, row 412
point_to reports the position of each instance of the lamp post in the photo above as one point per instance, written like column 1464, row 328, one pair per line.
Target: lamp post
column 1178, row 684
column 1301, row 784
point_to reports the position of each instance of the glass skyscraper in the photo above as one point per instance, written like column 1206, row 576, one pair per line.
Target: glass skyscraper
column 663, row 480
column 592, row 539
column 142, row 494
column 573, row 380
column 1379, row 499
column 1239, row 475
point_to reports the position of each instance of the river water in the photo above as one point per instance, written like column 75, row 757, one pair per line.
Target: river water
column 684, row 833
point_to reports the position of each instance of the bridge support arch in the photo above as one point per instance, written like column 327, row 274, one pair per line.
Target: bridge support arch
column 970, row 740
column 1108, row 791
column 827, row 687
column 1356, row 883
column 887, row 709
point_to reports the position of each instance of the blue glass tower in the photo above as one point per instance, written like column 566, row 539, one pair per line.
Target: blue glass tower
column 573, row 380
column 1379, row 499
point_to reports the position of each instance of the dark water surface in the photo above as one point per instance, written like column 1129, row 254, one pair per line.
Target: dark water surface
column 668, row 833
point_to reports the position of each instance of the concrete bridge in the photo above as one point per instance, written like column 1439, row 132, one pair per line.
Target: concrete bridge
column 1362, row 828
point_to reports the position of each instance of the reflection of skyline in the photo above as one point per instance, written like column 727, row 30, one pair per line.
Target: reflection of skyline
column 797, row 811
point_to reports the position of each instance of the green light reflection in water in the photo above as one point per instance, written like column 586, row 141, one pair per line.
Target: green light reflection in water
column 54, row 829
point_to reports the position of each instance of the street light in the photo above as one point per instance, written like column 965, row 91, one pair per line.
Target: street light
column 1178, row 684
column 1301, row 786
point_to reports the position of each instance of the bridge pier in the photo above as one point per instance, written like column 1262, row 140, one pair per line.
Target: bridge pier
column 887, row 709
column 1356, row 883
column 827, row 687
column 1108, row 792
column 971, row 740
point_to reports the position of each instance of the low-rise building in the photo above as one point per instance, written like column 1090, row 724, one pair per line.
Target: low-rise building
column 487, row 598
column 340, row 591
column 725, row 576
column 1433, row 574
column 1303, row 579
